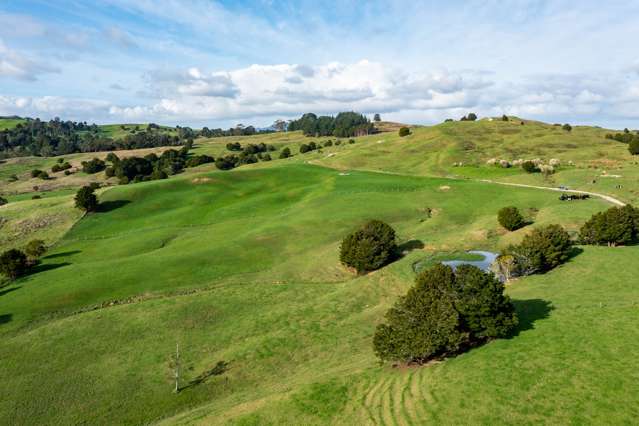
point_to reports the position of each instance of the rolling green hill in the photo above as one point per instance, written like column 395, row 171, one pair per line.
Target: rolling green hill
column 241, row 269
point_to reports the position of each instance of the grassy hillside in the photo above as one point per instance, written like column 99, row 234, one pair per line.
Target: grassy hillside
column 9, row 123
column 241, row 269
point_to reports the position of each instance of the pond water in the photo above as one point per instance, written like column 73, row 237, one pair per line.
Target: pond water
column 483, row 264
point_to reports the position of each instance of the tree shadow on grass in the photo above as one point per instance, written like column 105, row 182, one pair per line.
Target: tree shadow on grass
column 107, row 206
column 63, row 254
column 529, row 311
column 5, row 318
column 9, row 290
column 46, row 267
column 220, row 368
column 574, row 252
column 408, row 246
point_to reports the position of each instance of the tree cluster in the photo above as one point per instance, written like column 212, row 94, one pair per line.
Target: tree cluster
column 93, row 166
column 345, row 124
column 56, row 137
column 615, row 226
column 370, row 247
column 149, row 167
column 445, row 313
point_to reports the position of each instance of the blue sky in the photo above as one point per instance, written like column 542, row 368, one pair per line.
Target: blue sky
column 227, row 62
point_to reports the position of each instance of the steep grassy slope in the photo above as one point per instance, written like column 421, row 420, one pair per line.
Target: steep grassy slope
column 239, row 267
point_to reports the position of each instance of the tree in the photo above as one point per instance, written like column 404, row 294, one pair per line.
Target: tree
column 567, row 127
column 112, row 158
column 404, row 131
column 443, row 314
column 377, row 118
column 370, row 247
column 541, row 250
column 504, row 117
column 510, row 218
column 13, row 263
column 529, row 167
column 86, row 200
column 35, row 248
column 93, row 166
column 615, row 226
column 286, row 152
column 633, row 146
column 471, row 117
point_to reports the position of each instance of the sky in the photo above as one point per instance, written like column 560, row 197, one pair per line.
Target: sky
column 220, row 63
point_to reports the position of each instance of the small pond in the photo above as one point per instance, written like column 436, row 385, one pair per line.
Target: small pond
column 484, row 264
column 478, row 258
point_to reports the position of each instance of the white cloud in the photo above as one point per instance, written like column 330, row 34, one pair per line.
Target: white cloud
column 17, row 65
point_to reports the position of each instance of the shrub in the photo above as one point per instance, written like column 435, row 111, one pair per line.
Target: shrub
column 443, row 314
column 37, row 173
column 35, row 197
column 93, row 166
column 109, row 172
column 13, row 263
column 633, row 146
column 60, row 167
column 3, row 201
column 286, row 152
column 404, row 131
column 304, row 148
column 567, row 127
column 67, row 172
column 86, row 200
column 351, row 141
column 471, row 117
column 529, row 167
column 13, row 178
column 510, row 218
column 112, row 158
column 541, row 250
column 35, row 248
column 615, row 226
column 504, row 117
column 328, row 143
column 234, row 146
column 370, row 247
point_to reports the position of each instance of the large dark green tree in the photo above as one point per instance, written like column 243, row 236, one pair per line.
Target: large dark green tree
column 13, row 263
column 615, row 226
column 443, row 314
column 542, row 250
column 370, row 247
column 85, row 199
column 510, row 218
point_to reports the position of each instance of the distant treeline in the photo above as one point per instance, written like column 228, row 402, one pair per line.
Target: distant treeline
column 345, row 124
column 57, row 137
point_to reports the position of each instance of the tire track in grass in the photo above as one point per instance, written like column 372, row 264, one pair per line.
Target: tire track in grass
column 371, row 401
column 386, row 404
column 417, row 397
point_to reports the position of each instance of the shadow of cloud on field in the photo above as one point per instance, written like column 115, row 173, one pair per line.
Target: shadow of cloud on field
column 107, row 206
column 220, row 368
column 529, row 311
column 5, row 318
column 63, row 254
